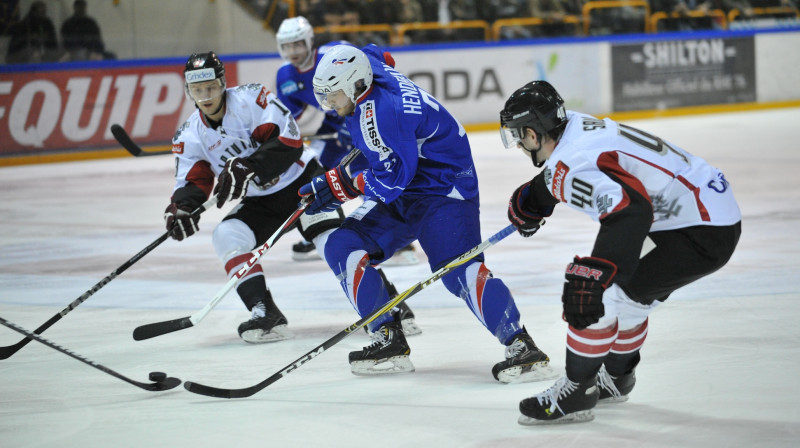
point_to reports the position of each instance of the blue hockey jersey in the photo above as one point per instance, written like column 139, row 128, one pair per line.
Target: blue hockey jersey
column 413, row 145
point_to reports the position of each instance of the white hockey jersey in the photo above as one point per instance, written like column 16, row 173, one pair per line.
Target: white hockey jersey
column 597, row 160
column 252, row 113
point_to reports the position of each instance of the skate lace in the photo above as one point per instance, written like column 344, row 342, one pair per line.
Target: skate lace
column 379, row 338
column 259, row 310
column 557, row 391
column 606, row 381
column 516, row 348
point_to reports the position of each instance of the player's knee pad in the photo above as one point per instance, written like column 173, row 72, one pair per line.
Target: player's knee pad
column 339, row 245
column 312, row 225
column 232, row 237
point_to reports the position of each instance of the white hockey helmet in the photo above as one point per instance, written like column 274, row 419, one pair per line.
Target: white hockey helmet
column 345, row 68
column 294, row 29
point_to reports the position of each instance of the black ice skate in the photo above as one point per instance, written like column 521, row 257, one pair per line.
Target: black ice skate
column 305, row 251
column 614, row 389
column 524, row 362
column 401, row 313
column 387, row 354
column 565, row 402
column 264, row 327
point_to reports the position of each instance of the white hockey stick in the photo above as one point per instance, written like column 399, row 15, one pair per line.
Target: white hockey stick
column 159, row 328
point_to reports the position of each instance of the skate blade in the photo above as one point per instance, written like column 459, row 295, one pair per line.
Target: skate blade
column 612, row 400
column 278, row 333
column 306, row 256
column 410, row 327
column 395, row 364
column 575, row 417
column 539, row 371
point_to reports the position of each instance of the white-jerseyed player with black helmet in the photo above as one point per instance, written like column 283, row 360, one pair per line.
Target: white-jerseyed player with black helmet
column 248, row 140
column 667, row 218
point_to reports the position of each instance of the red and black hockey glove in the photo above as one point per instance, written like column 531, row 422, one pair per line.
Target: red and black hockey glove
column 180, row 222
column 587, row 279
column 233, row 180
column 331, row 190
column 525, row 218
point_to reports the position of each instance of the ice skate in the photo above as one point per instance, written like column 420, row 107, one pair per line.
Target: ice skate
column 263, row 327
column 524, row 362
column 614, row 389
column 403, row 314
column 405, row 256
column 387, row 354
column 305, row 251
column 564, row 402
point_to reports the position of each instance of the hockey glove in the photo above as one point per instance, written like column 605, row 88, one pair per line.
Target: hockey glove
column 180, row 222
column 587, row 278
column 330, row 191
column 233, row 180
column 526, row 220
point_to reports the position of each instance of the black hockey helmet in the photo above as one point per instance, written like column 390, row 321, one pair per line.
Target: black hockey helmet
column 196, row 69
column 536, row 105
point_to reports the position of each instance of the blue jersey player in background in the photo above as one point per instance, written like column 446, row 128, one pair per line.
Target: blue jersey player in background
column 421, row 184
column 295, row 38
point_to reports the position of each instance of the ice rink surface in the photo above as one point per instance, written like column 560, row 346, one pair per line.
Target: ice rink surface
column 719, row 366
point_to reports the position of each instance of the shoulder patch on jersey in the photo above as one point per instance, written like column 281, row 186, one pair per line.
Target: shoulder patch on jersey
column 177, row 148
column 369, row 129
column 558, row 181
column 262, row 99
column 180, row 130
column 289, row 87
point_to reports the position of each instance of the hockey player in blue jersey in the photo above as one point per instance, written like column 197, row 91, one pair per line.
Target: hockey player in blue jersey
column 295, row 38
column 420, row 184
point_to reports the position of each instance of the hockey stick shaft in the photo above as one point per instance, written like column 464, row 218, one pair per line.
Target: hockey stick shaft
column 166, row 384
column 441, row 272
column 7, row 351
column 127, row 142
column 148, row 331
column 331, row 136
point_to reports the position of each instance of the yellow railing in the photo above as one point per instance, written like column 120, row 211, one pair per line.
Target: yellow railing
column 734, row 13
column 608, row 4
column 402, row 28
column 499, row 24
column 717, row 14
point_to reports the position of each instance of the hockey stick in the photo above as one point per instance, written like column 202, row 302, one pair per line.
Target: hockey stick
column 160, row 328
column 162, row 381
column 125, row 140
column 330, row 136
column 248, row 391
column 9, row 350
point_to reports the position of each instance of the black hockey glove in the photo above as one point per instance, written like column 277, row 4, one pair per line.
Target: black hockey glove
column 526, row 219
column 180, row 222
column 233, row 180
column 587, row 278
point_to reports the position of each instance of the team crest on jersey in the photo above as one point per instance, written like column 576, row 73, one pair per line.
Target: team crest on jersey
column 263, row 99
column 558, row 181
column 369, row 129
column 177, row 148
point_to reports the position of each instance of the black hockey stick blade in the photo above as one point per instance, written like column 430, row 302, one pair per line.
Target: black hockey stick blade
column 165, row 384
column 441, row 272
column 148, row 331
column 125, row 140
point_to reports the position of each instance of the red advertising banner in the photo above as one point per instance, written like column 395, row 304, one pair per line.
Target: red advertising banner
column 49, row 111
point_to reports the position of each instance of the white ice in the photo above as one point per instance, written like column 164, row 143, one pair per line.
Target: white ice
column 718, row 366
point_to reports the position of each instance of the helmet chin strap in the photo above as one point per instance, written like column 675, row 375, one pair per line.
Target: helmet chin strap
column 532, row 153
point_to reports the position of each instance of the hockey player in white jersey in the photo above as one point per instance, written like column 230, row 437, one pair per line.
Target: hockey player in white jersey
column 249, row 141
column 667, row 218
